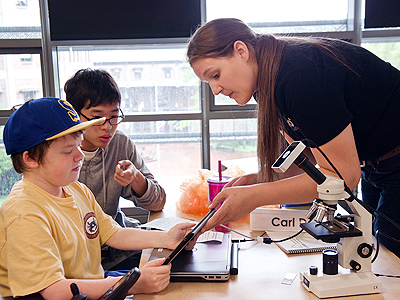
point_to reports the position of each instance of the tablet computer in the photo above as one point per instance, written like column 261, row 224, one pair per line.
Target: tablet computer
column 189, row 236
column 120, row 289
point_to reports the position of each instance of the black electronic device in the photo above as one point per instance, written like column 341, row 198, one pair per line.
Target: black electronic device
column 120, row 289
column 234, row 259
column 75, row 292
column 286, row 159
column 189, row 236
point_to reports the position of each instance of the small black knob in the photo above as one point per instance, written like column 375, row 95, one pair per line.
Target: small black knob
column 355, row 265
column 75, row 292
column 313, row 270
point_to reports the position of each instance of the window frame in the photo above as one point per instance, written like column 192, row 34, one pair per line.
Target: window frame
column 208, row 110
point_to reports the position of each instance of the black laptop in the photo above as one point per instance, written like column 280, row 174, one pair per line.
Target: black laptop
column 206, row 262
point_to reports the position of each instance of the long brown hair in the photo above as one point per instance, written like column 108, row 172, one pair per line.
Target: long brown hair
column 216, row 39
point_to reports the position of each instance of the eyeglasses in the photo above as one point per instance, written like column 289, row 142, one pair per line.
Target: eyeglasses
column 15, row 107
column 114, row 120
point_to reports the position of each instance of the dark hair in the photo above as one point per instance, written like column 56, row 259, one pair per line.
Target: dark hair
column 89, row 88
column 216, row 39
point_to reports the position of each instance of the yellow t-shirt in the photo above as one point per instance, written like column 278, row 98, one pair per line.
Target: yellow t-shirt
column 44, row 239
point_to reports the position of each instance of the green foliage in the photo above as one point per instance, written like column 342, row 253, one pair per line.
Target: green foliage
column 8, row 176
column 389, row 52
column 238, row 146
column 5, row 161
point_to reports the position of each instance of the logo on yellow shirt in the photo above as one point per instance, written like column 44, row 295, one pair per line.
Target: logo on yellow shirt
column 91, row 225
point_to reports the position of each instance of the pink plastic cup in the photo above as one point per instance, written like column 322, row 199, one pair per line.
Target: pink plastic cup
column 215, row 185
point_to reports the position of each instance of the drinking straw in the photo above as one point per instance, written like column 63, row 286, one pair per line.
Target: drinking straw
column 219, row 170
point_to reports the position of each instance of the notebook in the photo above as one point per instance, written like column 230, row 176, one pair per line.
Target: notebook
column 303, row 243
column 206, row 262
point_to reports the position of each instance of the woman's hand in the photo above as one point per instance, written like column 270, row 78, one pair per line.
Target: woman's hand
column 238, row 203
column 154, row 277
column 246, row 179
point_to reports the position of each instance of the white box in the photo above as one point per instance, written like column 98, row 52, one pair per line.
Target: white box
column 262, row 219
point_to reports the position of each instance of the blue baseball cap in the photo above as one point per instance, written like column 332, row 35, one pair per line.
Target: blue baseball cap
column 41, row 120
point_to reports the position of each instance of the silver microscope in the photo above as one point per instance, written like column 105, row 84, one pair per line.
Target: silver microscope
column 346, row 271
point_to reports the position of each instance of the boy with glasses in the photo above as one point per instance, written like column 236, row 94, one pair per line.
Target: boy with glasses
column 112, row 168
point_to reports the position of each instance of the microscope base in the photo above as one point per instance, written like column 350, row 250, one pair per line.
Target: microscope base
column 346, row 283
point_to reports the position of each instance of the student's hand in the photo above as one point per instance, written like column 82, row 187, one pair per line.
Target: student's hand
column 127, row 174
column 154, row 278
column 177, row 233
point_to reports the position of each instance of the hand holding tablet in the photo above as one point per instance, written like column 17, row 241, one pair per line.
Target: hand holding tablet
column 196, row 229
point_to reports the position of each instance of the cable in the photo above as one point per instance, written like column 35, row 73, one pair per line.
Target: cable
column 249, row 237
column 371, row 210
column 261, row 239
column 267, row 240
column 383, row 275
column 377, row 246
column 389, row 237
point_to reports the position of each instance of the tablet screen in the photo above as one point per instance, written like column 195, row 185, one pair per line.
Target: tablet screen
column 189, row 236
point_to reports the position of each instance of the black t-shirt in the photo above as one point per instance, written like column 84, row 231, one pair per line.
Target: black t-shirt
column 319, row 96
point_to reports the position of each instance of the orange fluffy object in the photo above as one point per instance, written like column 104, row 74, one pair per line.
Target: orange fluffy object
column 194, row 197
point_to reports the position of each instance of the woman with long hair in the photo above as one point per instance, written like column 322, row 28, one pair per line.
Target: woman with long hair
column 331, row 93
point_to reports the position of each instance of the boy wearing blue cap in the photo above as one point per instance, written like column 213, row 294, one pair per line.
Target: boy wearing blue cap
column 51, row 227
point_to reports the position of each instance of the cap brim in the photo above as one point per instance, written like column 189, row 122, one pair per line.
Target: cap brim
column 77, row 127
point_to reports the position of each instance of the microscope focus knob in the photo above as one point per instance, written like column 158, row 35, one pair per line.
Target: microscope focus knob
column 364, row 250
column 355, row 265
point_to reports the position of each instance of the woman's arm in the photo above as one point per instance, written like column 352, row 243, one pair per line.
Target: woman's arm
column 342, row 152
column 241, row 200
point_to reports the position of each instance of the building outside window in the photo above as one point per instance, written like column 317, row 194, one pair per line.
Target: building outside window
column 176, row 122
column 20, row 70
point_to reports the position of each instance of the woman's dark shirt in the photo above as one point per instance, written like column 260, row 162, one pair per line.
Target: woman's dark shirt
column 319, row 97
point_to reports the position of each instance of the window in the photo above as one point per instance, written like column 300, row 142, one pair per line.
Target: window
column 116, row 72
column 171, row 150
column 160, row 93
column 20, row 70
column 7, row 174
column 285, row 16
column 26, row 57
column 19, row 81
column 21, row 3
column 232, row 139
column 167, row 72
column 152, row 80
column 138, row 72
column 387, row 50
column 20, row 19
